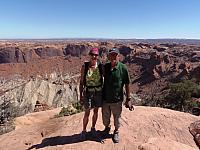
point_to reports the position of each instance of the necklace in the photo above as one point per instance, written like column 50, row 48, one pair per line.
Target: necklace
column 93, row 66
column 91, row 69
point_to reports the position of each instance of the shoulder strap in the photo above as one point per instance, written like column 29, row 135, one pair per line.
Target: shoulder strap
column 100, row 67
column 86, row 67
column 107, row 68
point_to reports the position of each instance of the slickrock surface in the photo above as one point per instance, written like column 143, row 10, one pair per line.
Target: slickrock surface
column 145, row 128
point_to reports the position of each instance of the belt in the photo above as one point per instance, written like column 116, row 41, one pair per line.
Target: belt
column 94, row 88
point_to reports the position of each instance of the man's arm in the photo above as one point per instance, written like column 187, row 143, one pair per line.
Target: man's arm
column 128, row 98
column 128, row 104
column 126, row 79
column 127, row 89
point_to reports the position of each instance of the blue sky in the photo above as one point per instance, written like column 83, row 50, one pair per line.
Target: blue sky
column 100, row 19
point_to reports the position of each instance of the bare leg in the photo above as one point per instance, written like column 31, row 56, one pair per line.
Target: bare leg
column 86, row 119
column 95, row 116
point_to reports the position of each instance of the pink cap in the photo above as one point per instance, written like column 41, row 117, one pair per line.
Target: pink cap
column 94, row 51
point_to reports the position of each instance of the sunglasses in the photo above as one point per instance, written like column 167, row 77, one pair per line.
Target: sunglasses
column 94, row 55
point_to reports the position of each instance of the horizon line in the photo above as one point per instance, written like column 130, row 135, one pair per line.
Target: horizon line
column 86, row 38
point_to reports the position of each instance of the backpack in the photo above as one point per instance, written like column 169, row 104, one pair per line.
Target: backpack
column 86, row 68
column 107, row 68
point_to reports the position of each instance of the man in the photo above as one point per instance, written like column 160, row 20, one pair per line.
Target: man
column 115, row 77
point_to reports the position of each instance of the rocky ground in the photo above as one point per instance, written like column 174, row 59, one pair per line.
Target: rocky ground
column 145, row 128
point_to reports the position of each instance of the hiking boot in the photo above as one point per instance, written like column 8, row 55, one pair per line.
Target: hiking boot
column 106, row 130
column 84, row 135
column 93, row 132
column 116, row 137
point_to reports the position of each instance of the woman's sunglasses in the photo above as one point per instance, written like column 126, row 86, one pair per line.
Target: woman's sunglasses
column 94, row 55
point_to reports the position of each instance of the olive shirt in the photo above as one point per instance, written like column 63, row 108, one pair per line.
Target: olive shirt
column 114, row 81
column 93, row 87
column 93, row 78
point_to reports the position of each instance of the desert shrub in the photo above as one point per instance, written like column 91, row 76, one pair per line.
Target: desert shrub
column 196, row 92
column 7, row 127
column 196, row 108
column 66, row 111
column 78, row 107
column 8, row 111
column 156, row 101
column 74, row 108
column 180, row 95
column 177, row 96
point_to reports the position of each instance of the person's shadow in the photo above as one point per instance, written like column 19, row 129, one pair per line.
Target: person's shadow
column 62, row 140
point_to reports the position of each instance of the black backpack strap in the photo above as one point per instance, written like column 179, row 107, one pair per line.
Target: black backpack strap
column 86, row 67
column 107, row 68
column 100, row 67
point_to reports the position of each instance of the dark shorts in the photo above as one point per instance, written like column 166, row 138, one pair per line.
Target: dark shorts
column 93, row 98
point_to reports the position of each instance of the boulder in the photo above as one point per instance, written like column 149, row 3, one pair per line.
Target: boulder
column 195, row 131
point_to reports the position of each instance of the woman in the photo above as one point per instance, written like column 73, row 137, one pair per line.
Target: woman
column 91, row 89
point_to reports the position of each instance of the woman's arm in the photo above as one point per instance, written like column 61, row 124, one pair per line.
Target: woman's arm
column 81, row 85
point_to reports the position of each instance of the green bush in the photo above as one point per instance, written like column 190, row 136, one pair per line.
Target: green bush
column 196, row 92
column 74, row 108
column 177, row 96
column 78, row 107
column 180, row 95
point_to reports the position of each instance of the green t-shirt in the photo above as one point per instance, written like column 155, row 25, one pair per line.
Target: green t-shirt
column 114, row 81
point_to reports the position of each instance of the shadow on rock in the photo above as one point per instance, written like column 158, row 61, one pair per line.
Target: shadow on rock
column 62, row 140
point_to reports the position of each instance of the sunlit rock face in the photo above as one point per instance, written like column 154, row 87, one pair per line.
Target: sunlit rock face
column 54, row 90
